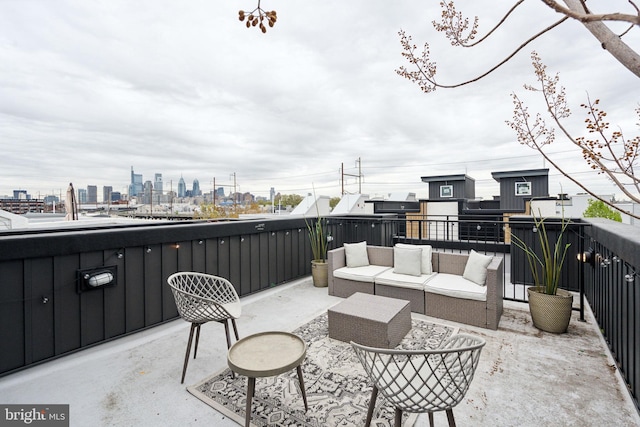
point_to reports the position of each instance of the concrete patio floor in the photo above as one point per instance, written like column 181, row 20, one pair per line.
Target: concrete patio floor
column 525, row 378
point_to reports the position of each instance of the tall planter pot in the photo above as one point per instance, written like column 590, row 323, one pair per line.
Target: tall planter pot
column 550, row 313
column 320, row 273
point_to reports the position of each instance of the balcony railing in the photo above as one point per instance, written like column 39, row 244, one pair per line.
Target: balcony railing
column 47, row 310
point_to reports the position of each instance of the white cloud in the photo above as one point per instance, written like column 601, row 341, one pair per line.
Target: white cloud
column 89, row 89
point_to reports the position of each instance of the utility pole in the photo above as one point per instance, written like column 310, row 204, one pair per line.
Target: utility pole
column 171, row 197
column 214, row 192
column 359, row 176
column 235, row 195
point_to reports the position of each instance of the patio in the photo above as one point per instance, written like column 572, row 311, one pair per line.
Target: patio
column 525, row 377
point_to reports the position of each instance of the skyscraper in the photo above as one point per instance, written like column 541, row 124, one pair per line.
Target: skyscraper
column 196, row 188
column 157, row 183
column 135, row 187
column 106, row 193
column 92, row 194
column 148, row 192
column 182, row 188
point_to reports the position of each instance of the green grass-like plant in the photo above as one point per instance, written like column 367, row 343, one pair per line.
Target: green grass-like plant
column 318, row 238
column 545, row 269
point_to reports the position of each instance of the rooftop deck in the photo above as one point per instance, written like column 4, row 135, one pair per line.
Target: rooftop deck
column 525, row 378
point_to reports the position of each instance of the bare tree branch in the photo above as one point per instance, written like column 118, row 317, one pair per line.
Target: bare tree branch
column 589, row 17
column 453, row 24
column 608, row 39
column 618, row 167
column 427, row 69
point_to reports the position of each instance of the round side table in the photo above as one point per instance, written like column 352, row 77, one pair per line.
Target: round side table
column 267, row 354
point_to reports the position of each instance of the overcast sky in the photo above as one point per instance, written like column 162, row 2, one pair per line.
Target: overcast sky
column 89, row 89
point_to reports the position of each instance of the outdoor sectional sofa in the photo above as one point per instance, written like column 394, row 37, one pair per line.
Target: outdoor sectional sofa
column 443, row 292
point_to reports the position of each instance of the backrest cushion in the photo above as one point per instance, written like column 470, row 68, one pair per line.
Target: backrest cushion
column 356, row 254
column 426, row 265
column 407, row 260
column 476, row 268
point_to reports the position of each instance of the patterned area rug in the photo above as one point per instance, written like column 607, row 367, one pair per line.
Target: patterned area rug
column 337, row 387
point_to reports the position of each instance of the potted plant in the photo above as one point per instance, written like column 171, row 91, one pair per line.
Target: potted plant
column 549, row 305
column 319, row 243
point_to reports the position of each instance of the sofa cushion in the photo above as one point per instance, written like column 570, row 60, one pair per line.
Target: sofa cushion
column 407, row 261
column 426, row 264
column 476, row 267
column 391, row 278
column 356, row 254
column 452, row 285
column 360, row 274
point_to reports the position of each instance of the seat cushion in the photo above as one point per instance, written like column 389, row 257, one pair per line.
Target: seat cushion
column 455, row 286
column 360, row 274
column 391, row 278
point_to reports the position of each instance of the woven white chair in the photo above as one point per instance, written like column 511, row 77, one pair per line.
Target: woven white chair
column 202, row 298
column 418, row 381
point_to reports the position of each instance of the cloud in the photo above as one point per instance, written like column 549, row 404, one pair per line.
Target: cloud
column 185, row 89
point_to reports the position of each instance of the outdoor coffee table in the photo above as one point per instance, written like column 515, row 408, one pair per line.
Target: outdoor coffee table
column 267, row 354
column 370, row 320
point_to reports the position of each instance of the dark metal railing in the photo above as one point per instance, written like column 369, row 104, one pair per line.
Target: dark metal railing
column 613, row 291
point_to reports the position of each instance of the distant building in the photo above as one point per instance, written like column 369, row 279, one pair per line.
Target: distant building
column 22, row 206
column 82, row 195
column 135, row 187
column 106, row 193
column 182, row 188
column 157, row 183
column 148, row 193
column 195, row 192
column 51, row 200
column 21, row 195
column 92, row 194
column 116, row 196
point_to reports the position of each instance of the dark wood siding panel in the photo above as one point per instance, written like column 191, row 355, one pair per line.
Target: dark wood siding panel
column 234, row 275
column 131, row 277
column 66, row 304
column 39, row 277
column 199, row 252
column 115, row 299
column 264, row 260
column 224, row 255
column 254, row 259
column 152, row 282
column 211, row 249
column 244, row 264
column 92, row 318
column 12, row 315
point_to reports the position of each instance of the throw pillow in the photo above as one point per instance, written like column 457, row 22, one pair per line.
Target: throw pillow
column 426, row 265
column 407, row 261
column 356, row 254
column 476, row 268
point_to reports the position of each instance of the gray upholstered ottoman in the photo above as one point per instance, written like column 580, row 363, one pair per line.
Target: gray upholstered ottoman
column 370, row 320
